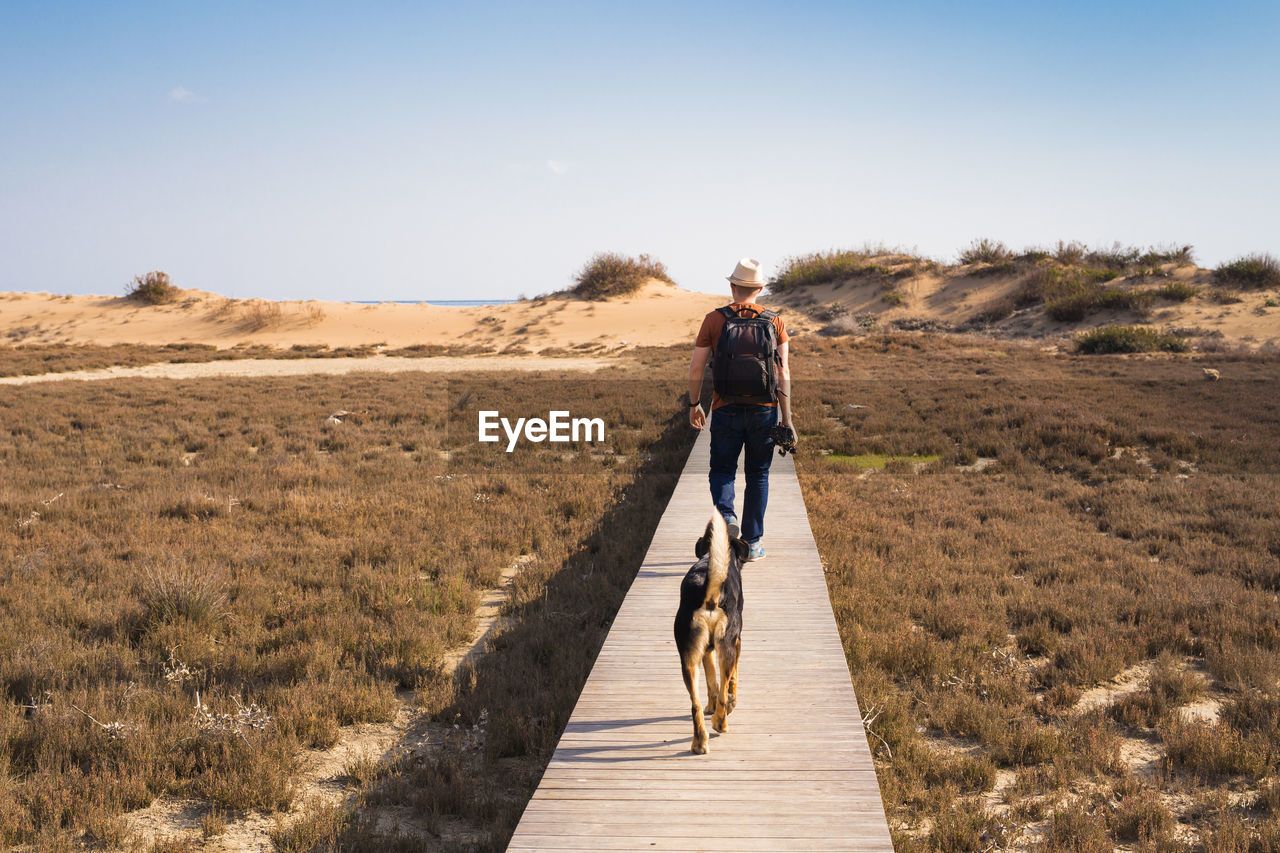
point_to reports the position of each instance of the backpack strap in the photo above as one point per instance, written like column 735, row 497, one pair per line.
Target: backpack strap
column 729, row 313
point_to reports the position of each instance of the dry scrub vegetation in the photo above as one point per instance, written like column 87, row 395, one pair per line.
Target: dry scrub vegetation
column 1056, row 579
column 153, row 288
column 198, row 580
column 609, row 274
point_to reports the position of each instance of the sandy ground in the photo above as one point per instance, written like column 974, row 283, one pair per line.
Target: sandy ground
column 659, row 314
column 299, row 366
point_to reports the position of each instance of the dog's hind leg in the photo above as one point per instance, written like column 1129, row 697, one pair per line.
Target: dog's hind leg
column 733, row 674
column 728, row 663
column 690, row 666
column 713, row 688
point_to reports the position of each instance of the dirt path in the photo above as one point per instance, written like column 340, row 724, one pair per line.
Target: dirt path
column 323, row 779
column 301, row 366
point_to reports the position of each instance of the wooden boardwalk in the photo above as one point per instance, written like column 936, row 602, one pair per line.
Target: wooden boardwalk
column 792, row 773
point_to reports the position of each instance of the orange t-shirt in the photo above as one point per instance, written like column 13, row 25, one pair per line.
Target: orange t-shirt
column 709, row 336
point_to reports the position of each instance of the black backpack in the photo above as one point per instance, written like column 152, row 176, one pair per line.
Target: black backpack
column 746, row 363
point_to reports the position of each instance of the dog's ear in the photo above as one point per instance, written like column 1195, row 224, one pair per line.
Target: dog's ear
column 703, row 545
column 741, row 548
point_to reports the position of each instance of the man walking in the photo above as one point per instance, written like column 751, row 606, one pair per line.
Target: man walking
column 747, row 346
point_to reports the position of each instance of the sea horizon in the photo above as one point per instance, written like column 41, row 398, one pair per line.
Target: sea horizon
column 456, row 303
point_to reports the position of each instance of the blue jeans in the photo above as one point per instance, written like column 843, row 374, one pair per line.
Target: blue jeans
column 734, row 427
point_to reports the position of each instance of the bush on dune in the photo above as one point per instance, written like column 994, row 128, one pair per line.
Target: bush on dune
column 843, row 264
column 1071, row 294
column 1258, row 270
column 1109, row 339
column 610, row 274
column 153, row 288
column 985, row 251
column 819, row 268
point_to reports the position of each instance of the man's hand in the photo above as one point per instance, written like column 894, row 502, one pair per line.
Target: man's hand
column 697, row 417
column 784, row 438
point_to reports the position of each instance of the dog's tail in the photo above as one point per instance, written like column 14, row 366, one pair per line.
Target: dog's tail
column 718, row 562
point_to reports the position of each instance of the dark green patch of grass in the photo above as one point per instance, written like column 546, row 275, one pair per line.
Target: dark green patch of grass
column 1116, row 339
column 609, row 274
column 880, row 460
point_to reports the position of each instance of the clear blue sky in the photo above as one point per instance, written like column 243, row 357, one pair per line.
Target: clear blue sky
column 414, row 150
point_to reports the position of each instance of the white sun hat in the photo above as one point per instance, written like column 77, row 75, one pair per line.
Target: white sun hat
column 747, row 274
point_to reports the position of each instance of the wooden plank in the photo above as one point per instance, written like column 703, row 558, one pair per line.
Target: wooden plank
column 792, row 773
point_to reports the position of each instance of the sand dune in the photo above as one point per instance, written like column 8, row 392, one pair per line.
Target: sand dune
column 658, row 314
column 957, row 295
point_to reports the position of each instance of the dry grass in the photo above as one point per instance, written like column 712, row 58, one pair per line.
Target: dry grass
column 260, row 314
column 1127, row 514
column 1130, row 514
column 200, row 579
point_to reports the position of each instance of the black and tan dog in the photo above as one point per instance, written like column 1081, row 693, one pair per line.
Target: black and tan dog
column 709, row 625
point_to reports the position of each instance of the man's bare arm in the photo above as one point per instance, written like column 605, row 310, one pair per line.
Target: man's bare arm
column 698, row 364
column 784, row 386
